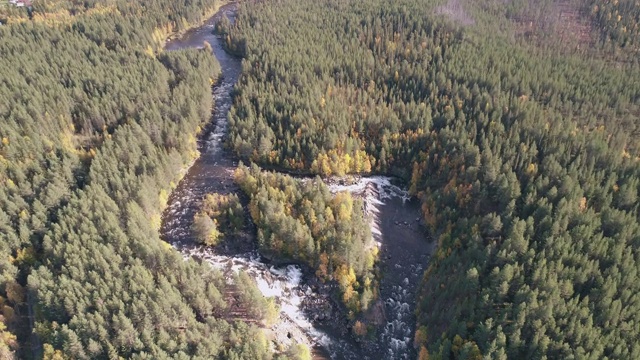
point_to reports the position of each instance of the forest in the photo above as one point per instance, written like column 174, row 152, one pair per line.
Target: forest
column 516, row 126
column 524, row 154
column 219, row 216
column 302, row 221
column 97, row 127
column 618, row 21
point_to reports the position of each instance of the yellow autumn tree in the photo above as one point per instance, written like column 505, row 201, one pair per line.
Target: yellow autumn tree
column 424, row 353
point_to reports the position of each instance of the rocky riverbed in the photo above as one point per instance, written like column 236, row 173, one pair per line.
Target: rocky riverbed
column 398, row 230
column 307, row 313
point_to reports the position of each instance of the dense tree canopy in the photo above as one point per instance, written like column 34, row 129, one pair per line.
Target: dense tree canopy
column 302, row 221
column 523, row 153
column 219, row 215
column 96, row 128
column 619, row 22
column 525, row 158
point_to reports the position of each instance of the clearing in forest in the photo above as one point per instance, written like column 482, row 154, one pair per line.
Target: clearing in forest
column 564, row 20
column 454, row 9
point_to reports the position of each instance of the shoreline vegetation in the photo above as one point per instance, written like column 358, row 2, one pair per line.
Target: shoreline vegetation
column 170, row 34
column 303, row 221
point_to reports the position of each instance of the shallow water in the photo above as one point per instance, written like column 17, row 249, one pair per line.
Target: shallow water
column 404, row 253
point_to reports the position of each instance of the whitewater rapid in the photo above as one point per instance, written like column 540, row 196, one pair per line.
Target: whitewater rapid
column 396, row 336
column 286, row 285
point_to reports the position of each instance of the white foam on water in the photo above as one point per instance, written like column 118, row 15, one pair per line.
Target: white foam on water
column 373, row 190
column 267, row 289
column 397, row 332
column 283, row 284
column 382, row 185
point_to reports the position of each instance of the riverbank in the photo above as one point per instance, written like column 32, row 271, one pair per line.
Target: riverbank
column 404, row 252
column 169, row 33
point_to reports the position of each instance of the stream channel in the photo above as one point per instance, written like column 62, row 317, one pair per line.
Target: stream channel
column 395, row 221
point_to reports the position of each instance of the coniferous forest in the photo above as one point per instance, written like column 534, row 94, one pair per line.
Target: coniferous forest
column 516, row 124
column 96, row 125
column 522, row 146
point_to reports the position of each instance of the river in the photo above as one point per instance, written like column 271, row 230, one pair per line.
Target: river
column 395, row 225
